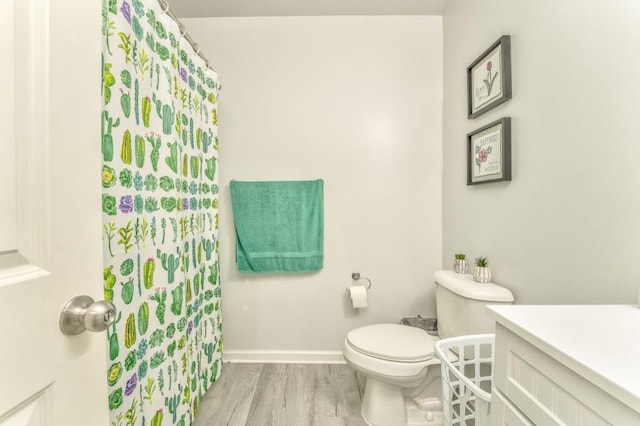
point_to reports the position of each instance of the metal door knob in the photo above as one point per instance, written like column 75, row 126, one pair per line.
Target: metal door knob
column 83, row 313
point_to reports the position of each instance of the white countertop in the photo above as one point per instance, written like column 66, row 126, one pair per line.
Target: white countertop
column 599, row 342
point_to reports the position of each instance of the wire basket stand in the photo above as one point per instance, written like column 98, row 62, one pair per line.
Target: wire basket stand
column 467, row 376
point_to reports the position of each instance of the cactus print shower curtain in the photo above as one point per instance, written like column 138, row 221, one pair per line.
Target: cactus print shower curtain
column 160, row 217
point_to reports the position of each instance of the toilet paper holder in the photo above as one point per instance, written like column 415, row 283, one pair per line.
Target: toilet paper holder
column 356, row 277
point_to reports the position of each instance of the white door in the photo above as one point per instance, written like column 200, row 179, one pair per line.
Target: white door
column 50, row 211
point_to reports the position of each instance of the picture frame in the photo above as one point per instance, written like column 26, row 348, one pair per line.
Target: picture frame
column 489, row 78
column 489, row 153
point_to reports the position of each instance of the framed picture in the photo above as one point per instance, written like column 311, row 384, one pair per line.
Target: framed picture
column 489, row 78
column 489, row 153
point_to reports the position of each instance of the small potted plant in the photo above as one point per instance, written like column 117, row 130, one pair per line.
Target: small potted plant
column 460, row 264
column 482, row 274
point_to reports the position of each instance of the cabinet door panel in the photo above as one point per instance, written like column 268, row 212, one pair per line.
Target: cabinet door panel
column 550, row 393
column 504, row 413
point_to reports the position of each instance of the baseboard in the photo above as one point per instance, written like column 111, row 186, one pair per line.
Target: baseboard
column 283, row 357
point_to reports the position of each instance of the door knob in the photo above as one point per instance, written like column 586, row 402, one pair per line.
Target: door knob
column 83, row 313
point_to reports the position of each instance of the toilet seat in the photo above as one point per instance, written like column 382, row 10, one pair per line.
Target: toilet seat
column 392, row 342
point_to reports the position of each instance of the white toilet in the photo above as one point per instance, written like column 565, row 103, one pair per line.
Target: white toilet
column 403, row 375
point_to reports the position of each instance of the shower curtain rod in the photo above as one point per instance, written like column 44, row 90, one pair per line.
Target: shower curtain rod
column 164, row 5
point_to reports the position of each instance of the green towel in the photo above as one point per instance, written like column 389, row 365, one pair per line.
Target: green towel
column 279, row 225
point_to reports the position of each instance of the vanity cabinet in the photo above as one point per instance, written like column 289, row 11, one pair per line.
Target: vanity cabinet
column 566, row 365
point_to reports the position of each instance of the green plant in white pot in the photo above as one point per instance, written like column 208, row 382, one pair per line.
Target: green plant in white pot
column 482, row 273
column 460, row 264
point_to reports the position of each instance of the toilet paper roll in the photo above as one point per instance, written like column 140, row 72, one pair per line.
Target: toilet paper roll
column 358, row 295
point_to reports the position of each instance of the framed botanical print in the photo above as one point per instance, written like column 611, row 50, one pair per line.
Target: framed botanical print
column 489, row 153
column 489, row 78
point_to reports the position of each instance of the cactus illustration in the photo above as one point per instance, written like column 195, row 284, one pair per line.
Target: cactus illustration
column 198, row 281
column 208, row 351
column 185, row 136
column 166, row 114
column 107, row 138
column 125, row 103
column 199, row 250
column 162, row 51
column 127, row 291
column 188, row 294
column 172, row 159
column 214, row 116
column 161, row 381
column 125, row 150
column 112, row 6
column 161, row 298
column 136, row 90
column 195, row 166
column 137, row 28
column 172, row 404
column 155, row 151
column 170, row 263
column 185, row 165
column 143, row 318
column 208, row 247
column 187, row 389
column 196, row 284
column 198, row 137
column 146, row 111
column 112, row 336
column 148, row 270
column 213, row 273
column 210, row 171
column 156, row 420
column 130, row 331
column 206, row 141
column 193, row 252
column 176, row 296
column 185, row 257
column 108, row 80
column 214, row 369
column 140, row 150
column 171, row 349
column 191, row 136
column 109, row 282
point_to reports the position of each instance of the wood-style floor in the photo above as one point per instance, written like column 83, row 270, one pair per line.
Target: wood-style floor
column 283, row 395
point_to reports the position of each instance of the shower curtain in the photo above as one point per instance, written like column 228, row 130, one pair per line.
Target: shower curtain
column 160, row 217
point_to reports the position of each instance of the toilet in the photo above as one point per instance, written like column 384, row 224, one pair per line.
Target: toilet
column 402, row 373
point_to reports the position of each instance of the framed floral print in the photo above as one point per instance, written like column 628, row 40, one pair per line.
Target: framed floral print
column 489, row 78
column 489, row 153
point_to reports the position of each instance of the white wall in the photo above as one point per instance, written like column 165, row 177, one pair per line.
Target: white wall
column 356, row 101
column 567, row 228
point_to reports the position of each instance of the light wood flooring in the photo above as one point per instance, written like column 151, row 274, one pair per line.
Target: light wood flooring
column 283, row 395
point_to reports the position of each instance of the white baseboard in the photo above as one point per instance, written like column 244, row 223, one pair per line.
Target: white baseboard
column 283, row 357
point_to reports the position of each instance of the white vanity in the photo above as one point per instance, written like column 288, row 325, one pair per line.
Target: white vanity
column 566, row 365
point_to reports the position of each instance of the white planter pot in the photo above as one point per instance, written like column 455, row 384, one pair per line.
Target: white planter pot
column 460, row 266
column 482, row 274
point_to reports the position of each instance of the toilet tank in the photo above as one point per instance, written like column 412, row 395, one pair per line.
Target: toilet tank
column 461, row 302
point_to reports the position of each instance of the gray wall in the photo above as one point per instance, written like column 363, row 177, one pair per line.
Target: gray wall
column 567, row 228
column 356, row 101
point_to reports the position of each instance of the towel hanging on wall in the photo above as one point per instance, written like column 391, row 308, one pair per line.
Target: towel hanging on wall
column 279, row 225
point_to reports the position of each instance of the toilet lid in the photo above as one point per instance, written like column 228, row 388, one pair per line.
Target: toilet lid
column 393, row 342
